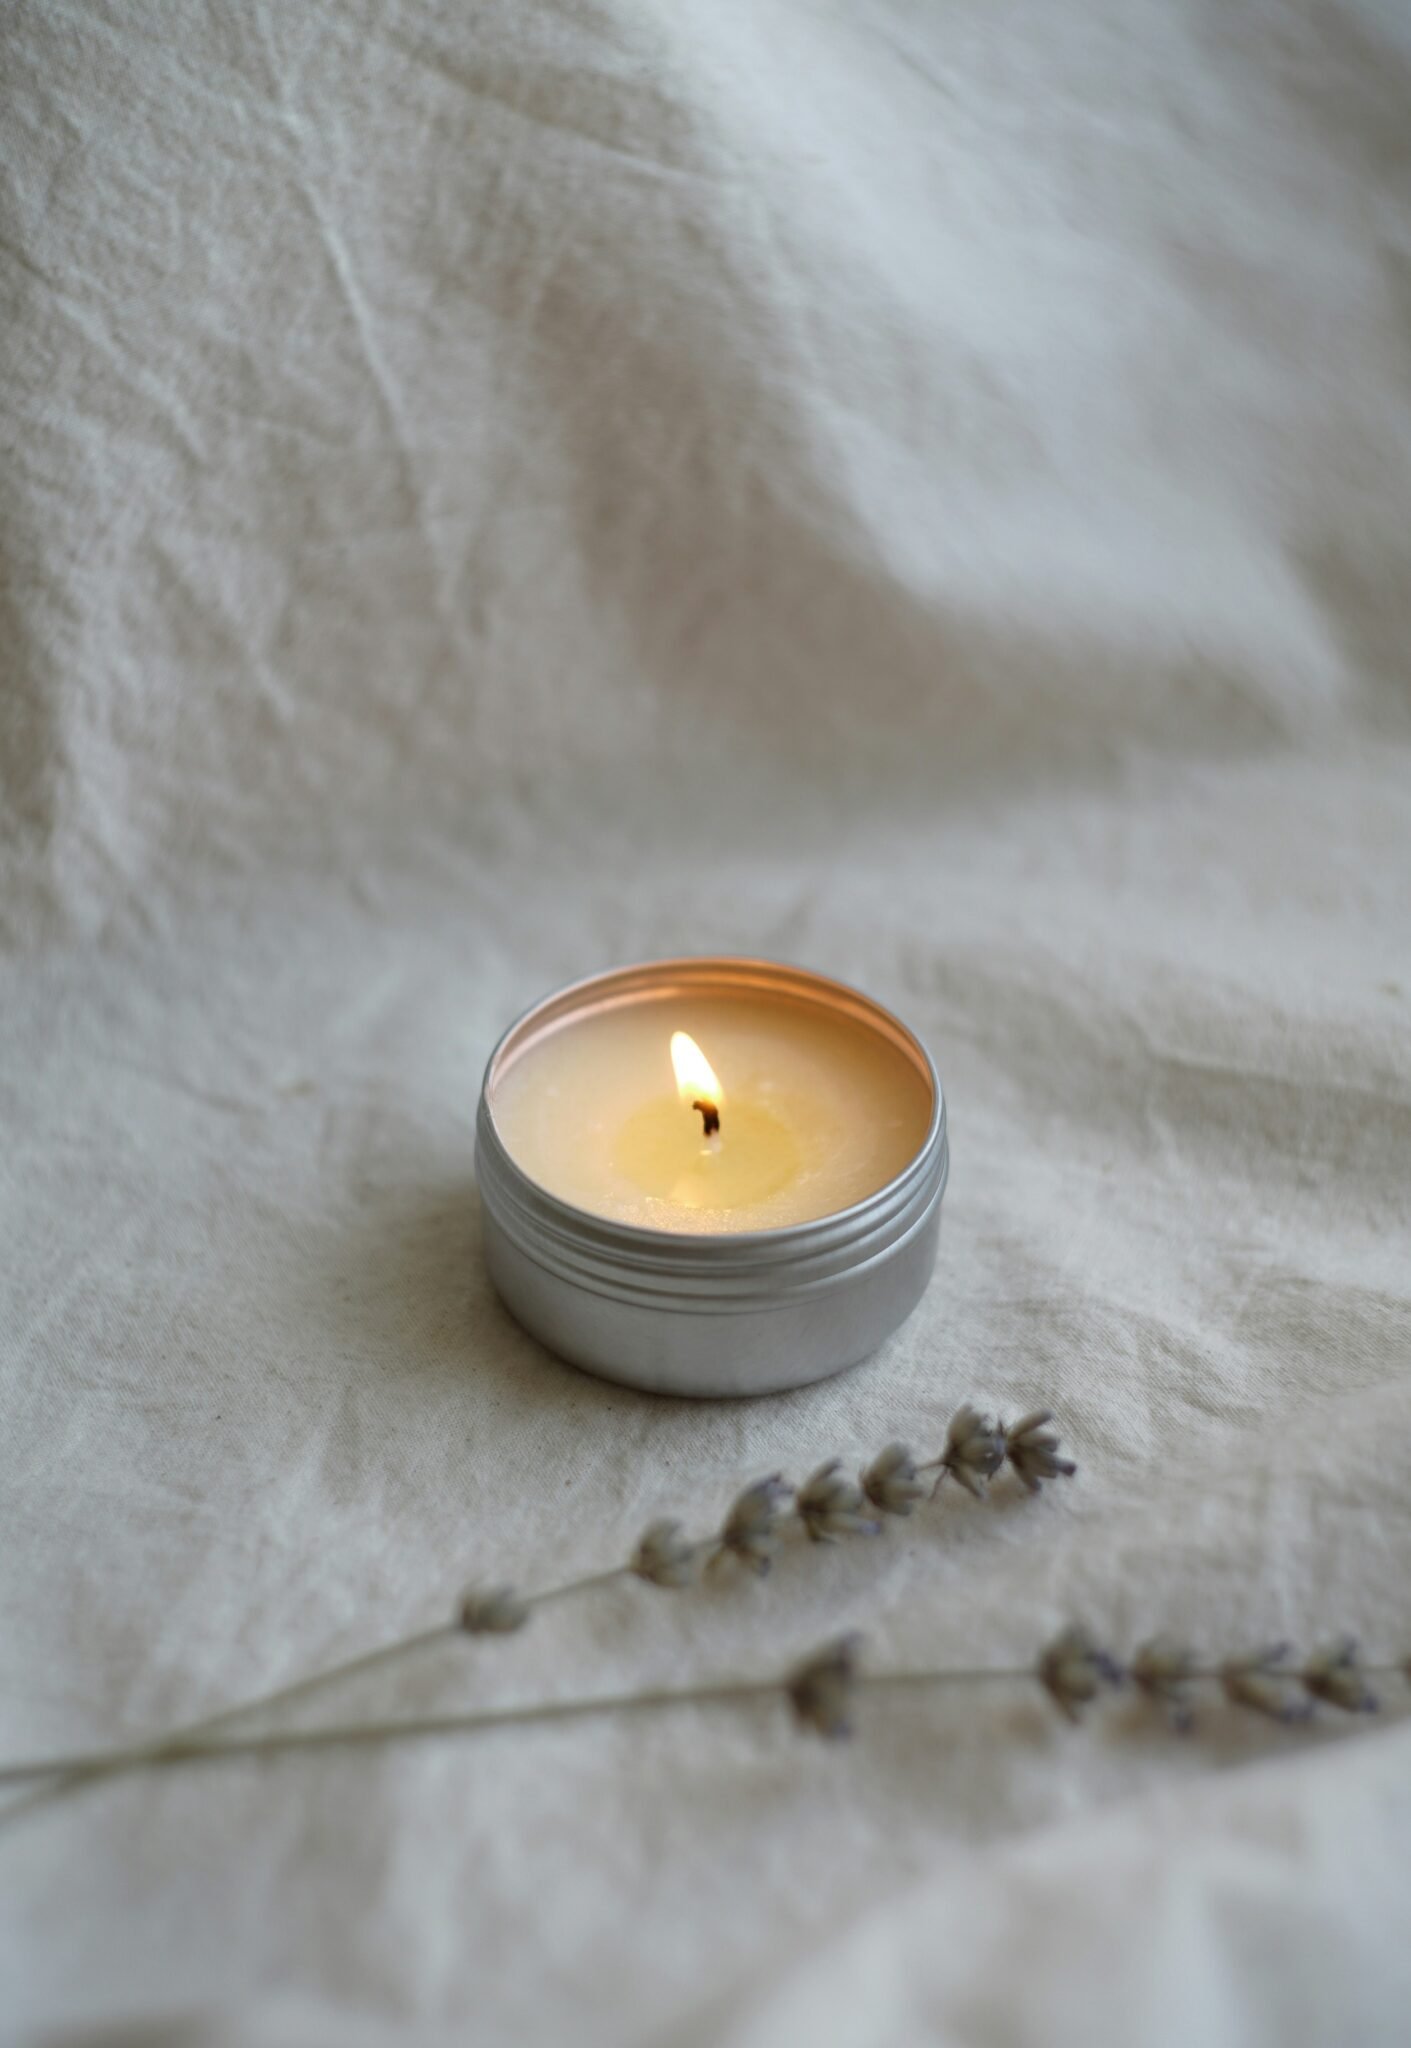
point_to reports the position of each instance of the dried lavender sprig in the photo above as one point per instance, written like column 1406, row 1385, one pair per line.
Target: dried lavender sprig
column 828, row 1507
column 821, row 1690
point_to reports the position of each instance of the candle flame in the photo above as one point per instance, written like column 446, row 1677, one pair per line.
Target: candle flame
column 695, row 1077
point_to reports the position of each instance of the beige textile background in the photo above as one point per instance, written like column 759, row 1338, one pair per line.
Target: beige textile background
column 496, row 490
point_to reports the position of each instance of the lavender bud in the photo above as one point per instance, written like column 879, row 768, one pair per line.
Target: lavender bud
column 751, row 1531
column 1262, row 1682
column 1335, row 1674
column 1032, row 1449
column 1073, row 1668
column 830, row 1505
column 974, row 1450
column 1166, row 1672
column 822, row 1688
column 492, row 1611
column 665, row 1556
column 892, row 1483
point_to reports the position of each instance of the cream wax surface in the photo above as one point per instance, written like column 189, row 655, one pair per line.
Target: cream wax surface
column 817, row 1111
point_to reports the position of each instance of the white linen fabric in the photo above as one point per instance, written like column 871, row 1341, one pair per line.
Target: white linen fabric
column 494, row 492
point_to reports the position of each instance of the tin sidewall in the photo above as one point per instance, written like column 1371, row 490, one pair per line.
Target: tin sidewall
column 735, row 1353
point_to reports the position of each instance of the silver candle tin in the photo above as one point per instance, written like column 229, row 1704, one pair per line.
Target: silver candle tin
column 752, row 1313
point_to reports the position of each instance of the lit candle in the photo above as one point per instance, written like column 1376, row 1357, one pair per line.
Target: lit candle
column 711, row 1176
column 713, row 1113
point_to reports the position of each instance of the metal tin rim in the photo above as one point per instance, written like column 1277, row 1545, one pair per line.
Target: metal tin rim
column 698, row 1271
